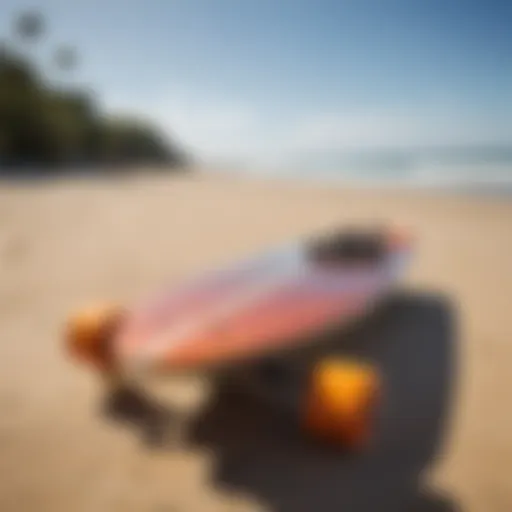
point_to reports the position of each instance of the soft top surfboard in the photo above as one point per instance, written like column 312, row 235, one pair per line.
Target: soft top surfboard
column 267, row 303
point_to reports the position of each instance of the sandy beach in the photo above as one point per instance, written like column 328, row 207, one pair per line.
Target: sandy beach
column 69, row 242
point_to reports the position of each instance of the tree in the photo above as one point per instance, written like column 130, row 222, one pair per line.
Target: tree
column 47, row 125
column 29, row 26
column 65, row 58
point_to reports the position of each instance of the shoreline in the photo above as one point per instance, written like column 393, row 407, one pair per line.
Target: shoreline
column 489, row 188
column 484, row 187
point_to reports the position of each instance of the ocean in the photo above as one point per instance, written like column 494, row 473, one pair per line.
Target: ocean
column 477, row 169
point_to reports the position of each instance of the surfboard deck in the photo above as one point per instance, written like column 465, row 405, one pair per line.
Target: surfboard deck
column 273, row 302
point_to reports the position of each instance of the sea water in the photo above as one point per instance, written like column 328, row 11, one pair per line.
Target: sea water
column 474, row 170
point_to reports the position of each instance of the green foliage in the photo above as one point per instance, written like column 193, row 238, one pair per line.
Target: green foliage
column 43, row 125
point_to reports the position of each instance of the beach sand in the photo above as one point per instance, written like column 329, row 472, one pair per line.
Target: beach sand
column 65, row 243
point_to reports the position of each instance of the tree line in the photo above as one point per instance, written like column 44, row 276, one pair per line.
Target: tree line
column 46, row 125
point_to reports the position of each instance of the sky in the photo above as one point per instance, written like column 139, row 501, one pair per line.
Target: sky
column 263, row 80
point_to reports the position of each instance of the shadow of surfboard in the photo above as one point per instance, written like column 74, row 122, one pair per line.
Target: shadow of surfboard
column 413, row 340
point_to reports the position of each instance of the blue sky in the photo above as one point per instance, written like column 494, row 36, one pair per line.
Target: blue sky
column 261, row 80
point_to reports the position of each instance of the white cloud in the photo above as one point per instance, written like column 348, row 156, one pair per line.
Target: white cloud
column 398, row 129
column 335, row 130
column 213, row 128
